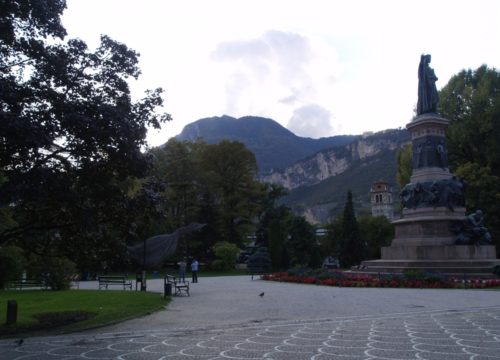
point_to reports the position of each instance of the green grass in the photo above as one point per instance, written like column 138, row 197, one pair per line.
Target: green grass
column 108, row 307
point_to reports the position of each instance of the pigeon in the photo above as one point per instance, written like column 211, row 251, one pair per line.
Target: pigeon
column 19, row 342
column 261, row 294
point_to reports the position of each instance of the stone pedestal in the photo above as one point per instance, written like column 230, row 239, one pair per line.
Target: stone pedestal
column 434, row 205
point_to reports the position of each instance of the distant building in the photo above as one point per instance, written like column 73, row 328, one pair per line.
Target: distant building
column 381, row 199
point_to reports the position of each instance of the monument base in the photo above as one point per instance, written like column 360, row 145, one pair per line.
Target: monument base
column 459, row 268
column 424, row 241
column 449, row 260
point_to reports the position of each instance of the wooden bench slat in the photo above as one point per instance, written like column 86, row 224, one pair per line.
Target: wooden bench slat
column 28, row 283
column 105, row 281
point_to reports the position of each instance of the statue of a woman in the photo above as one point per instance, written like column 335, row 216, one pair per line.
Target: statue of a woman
column 427, row 92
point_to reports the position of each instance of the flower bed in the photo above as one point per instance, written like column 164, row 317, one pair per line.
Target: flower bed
column 408, row 280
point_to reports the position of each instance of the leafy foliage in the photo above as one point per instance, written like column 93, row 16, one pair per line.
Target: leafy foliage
column 471, row 100
column 351, row 247
column 226, row 255
column 71, row 136
column 301, row 245
column 54, row 270
column 259, row 262
column 405, row 167
column 211, row 184
column 230, row 169
column 277, row 235
column 12, row 262
column 375, row 231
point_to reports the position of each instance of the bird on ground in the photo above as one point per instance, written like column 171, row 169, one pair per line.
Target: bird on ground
column 261, row 294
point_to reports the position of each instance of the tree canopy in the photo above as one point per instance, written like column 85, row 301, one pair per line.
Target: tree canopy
column 71, row 135
column 214, row 184
column 471, row 100
column 351, row 248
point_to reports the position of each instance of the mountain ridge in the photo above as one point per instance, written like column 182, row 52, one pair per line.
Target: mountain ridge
column 274, row 146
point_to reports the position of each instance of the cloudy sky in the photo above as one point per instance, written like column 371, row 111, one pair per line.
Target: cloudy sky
column 318, row 67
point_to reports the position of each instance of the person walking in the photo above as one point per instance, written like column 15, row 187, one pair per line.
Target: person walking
column 194, row 270
column 182, row 270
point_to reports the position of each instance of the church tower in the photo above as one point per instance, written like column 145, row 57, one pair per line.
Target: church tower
column 381, row 200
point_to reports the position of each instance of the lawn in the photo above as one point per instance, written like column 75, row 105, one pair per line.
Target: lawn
column 51, row 312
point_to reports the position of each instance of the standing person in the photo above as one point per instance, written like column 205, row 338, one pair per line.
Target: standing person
column 194, row 270
column 182, row 270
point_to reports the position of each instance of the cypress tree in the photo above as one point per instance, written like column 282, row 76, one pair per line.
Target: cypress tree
column 351, row 247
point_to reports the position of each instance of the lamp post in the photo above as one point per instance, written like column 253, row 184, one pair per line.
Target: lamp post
column 143, row 280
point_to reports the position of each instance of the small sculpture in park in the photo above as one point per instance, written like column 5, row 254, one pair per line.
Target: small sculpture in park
column 472, row 231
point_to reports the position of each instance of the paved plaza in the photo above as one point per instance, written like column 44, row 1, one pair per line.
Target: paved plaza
column 224, row 318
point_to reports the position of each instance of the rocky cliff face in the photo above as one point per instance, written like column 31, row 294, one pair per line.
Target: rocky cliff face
column 334, row 161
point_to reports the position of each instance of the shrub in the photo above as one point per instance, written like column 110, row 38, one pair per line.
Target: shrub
column 259, row 262
column 12, row 262
column 54, row 270
column 496, row 270
column 414, row 274
column 219, row 265
column 299, row 271
column 227, row 254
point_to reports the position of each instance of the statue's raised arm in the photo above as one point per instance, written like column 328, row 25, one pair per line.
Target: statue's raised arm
column 427, row 92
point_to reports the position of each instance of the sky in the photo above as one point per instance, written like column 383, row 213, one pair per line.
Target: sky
column 318, row 67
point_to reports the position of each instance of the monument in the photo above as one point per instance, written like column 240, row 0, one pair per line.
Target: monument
column 434, row 233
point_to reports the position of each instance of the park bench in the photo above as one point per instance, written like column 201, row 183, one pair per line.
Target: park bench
column 28, row 284
column 74, row 280
column 179, row 287
column 105, row 281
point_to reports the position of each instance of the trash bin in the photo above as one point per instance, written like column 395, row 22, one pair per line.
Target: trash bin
column 168, row 289
column 138, row 279
column 11, row 312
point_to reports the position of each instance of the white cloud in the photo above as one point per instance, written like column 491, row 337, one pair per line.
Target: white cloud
column 355, row 59
column 277, row 75
column 311, row 121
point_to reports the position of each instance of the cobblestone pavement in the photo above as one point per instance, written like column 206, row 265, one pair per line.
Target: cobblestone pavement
column 439, row 334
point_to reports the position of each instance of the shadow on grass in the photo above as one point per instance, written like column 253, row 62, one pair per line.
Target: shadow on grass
column 42, row 312
column 46, row 323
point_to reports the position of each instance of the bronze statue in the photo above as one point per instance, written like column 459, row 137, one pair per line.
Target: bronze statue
column 427, row 92
column 472, row 231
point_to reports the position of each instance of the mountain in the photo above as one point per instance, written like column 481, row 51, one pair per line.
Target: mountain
column 274, row 146
column 317, row 172
column 333, row 161
column 318, row 184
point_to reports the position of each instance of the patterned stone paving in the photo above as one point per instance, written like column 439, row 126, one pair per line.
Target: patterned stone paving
column 472, row 334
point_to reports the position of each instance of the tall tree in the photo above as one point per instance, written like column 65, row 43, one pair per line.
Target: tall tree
column 71, row 136
column 351, row 247
column 375, row 232
column 301, row 244
column 177, row 164
column 405, row 167
column 471, row 100
column 230, row 172
column 272, row 227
